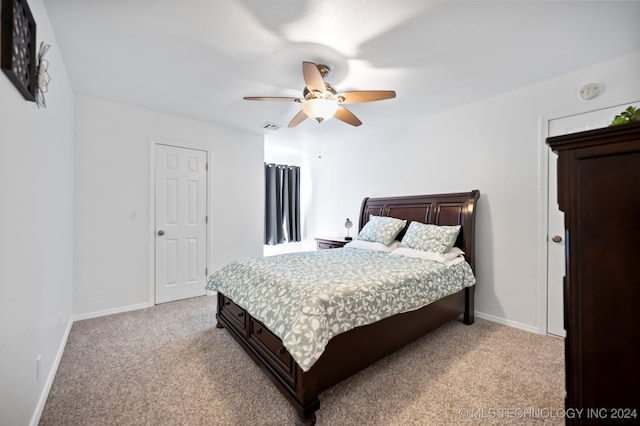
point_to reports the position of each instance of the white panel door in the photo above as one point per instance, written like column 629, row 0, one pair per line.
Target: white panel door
column 555, row 231
column 181, row 228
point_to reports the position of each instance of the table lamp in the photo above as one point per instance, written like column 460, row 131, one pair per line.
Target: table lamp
column 348, row 225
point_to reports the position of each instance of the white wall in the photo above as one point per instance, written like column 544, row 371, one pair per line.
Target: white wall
column 112, row 177
column 36, row 224
column 493, row 146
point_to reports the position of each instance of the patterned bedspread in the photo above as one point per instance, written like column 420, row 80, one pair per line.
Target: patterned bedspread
column 307, row 298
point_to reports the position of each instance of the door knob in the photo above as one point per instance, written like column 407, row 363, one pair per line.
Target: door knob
column 161, row 232
column 556, row 238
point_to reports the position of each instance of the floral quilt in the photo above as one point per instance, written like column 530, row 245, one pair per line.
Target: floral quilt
column 307, row 298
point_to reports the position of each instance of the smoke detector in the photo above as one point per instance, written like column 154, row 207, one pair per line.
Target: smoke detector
column 589, row 91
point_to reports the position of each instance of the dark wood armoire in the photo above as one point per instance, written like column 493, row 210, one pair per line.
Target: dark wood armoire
column 599, row 192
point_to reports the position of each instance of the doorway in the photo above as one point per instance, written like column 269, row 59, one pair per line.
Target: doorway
column 556, row 239
column 180, row 230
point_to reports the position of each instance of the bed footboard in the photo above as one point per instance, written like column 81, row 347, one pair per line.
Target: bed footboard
column 345, row 354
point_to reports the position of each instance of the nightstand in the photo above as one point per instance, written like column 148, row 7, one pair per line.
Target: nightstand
column 331, row 243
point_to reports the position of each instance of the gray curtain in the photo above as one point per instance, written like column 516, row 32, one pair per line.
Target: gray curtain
column 282, row 204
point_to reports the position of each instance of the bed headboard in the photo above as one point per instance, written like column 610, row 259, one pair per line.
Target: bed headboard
column 439, row 209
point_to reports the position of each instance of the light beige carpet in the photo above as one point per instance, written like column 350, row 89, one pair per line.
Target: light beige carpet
column 169, row 365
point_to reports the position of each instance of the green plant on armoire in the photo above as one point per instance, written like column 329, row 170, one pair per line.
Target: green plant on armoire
column 627, row 116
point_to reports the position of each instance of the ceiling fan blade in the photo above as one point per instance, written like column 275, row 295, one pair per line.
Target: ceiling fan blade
column 299, row 118
column 271, row 98
column 312, row 77
column 347, row 116
column 366, row 96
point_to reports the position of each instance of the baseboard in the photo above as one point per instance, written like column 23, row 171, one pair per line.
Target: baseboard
column 509, row 323
column 111, row 311
column 52, row 375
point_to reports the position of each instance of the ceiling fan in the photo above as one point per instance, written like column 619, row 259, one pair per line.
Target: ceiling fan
column 320, row 100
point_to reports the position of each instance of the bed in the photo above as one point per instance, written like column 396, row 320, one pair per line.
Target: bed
column 301, row 377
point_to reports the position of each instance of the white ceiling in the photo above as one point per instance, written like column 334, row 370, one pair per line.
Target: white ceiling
column 198, row 58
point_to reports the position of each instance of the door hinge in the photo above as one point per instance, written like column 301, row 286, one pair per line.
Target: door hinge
column 206, row 167
column 206, row 271
column 206, row 219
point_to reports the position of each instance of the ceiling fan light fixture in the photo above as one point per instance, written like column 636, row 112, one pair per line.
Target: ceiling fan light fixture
column 320, row 101
column 320, row 109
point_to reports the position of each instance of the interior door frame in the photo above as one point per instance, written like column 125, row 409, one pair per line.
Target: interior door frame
column 543, row 191
column 153, row 142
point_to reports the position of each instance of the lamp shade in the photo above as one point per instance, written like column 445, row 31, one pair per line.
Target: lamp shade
column 348, row 224
column 320, row 109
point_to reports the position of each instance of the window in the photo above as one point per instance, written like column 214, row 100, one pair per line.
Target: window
column 282, row 204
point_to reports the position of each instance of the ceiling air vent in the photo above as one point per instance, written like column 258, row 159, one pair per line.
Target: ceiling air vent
column 270, row 126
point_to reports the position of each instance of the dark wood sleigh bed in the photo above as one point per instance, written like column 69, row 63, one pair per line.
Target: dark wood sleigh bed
column 354, row 350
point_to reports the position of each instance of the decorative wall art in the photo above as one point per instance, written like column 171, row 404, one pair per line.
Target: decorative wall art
column 18, row 46
column 42, row 73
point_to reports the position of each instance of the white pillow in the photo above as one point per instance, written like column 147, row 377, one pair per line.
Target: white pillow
column 455, row 255
column 373, row 245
